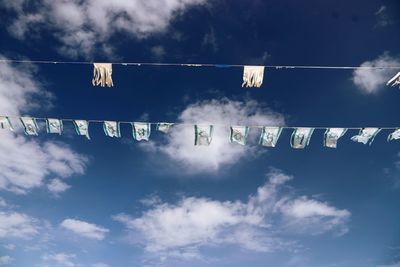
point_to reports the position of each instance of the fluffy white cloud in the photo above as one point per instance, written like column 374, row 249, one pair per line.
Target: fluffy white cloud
column 100, row 264
column 60, row 259
column 4, row 260
column 396, row 264
column 181, row 229
column 83, row 25
column 27, row 162
column 85, row 229
column 372, row 80
column 17, row 225
column 57, row 186
column 194, row 159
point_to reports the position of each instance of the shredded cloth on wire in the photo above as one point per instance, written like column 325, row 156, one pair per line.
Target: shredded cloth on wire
column 102, row 74
column 332, row 136
column 253, row 76
column 366, row 135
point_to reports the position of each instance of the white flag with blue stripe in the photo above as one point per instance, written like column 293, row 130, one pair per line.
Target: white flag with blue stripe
column 269, row 136
column 203, row 135
column 366, row 135
column 30, row 125
column 332, row 136
column 239, row 134
column 141, row 131
column 111, row 129
column 54, row 126
column 301, row 137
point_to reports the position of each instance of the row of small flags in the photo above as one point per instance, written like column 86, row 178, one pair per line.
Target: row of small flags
column 203, row 134
column 253, row 76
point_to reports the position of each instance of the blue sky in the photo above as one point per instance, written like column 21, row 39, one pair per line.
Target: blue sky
column 107, row 202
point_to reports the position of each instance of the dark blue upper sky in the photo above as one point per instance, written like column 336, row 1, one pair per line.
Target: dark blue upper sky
column 108, row 202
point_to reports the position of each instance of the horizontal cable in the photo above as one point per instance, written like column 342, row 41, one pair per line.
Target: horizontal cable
column 200, row 65
column 206, row 123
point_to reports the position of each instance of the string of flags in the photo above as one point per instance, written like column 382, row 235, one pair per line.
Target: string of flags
column 203, row 134
column 253, row 76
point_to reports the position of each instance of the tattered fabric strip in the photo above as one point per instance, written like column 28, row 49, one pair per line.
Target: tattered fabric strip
column 30, row 125
column 239, row 134
column 253, row 76
column 54, row 126
column 366, row 135
column 395, row 135
column 111, row 128
column 332, row 136
column 5, row 123
column 395, row 80
column 163, row 127
column 269, row 136
column 82, row 128
column 203, row 135
column 301, row 137
column 102, row 74
column 141, row 131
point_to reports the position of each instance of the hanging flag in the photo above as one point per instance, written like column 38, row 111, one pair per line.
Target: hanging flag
column 395, row 135
column 163, row 127
column 203, row 135
column 5, row 123
column 30, row 125
column 82, row 128
column 332, row 135
column 102, row 74
column 301, row 137
column 366, row 135
column 141, row 131
column 54, row 126
column 395, row 80
column 111, row 128
column 253, row 76
column 239, row 134
column 269, row 136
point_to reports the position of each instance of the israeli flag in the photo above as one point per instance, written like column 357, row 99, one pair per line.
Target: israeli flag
column 301, row 137
column 30, row 125
column 332, row 136
column 111, row 129
column 395, row 135
column 82, row 128
column 239, row 134
column 163, row 127
column 54, row 126
column 203, row 135
column 5, row 123
column 141, row 131
column 269, row 136
column 366, row 135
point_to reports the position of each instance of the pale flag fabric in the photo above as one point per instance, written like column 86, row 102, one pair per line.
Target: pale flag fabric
column 269, row 136
column 141, row 131
column 54, row 126
column 395, row 135
column 366, row 135
column 30, row 125
column 164, row 127
column 102, row 75
column 395, row 80
column 332, row 136
column 111, row 128
column 203, row 135
column 301, row 137
column 253, row 76
column 82, row 127
column 239, row 134
column 5, row 123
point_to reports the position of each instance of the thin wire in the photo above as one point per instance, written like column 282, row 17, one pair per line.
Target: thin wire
column 199, row 64
column 214, row 124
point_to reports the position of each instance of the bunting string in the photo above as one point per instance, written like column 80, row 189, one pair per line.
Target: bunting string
column 203, row 132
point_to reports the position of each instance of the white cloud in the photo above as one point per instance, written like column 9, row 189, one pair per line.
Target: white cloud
column 17, row 225
column 195, row 159
column 28, row 161
column 372, row 80
column 60, row 259
column 100, row 264
column 85, row 229
column 182, row 229
column 4, row 260
column 57, row 186
column 82, row 25
column 382, row 17
column 3, row 203
column 10, row 246
column 397, row 264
